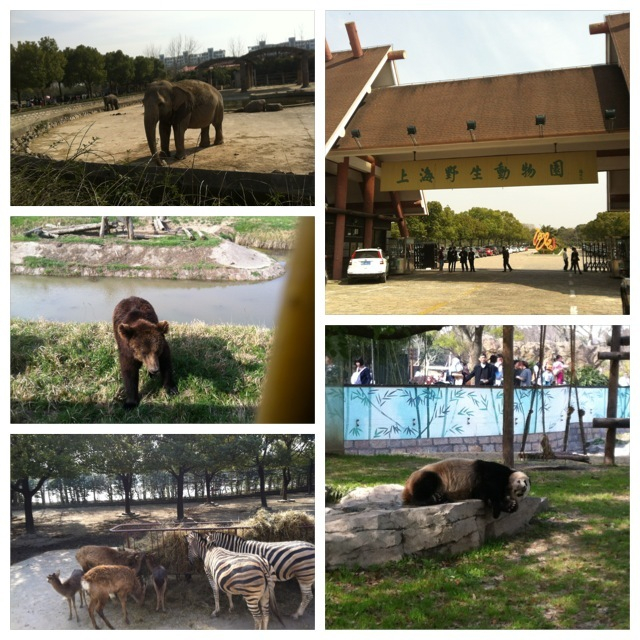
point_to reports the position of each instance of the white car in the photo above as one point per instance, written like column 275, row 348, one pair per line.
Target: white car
column 368, row 263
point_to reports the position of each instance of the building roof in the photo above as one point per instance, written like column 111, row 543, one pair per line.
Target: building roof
column 347, row 80
column 620, row 31
column 504, row 108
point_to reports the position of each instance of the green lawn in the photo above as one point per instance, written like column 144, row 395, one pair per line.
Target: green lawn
column 69, row 373
column 568, row 570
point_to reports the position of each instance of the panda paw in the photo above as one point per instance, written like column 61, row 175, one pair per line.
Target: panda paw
column 510, row 506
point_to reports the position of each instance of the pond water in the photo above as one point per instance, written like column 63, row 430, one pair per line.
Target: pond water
column 93, row 299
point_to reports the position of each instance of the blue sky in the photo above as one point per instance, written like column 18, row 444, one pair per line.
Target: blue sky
column 134, row 31
column 450, row 45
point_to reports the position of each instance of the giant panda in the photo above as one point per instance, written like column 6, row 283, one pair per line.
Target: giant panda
column 457, row 479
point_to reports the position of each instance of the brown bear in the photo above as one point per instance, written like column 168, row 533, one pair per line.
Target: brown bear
column 141, row 340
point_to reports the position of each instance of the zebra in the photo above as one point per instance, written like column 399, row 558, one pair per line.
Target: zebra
column 293, row 559
column 244, row 574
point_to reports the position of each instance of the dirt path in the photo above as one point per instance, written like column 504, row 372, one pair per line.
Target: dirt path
column 35, row 605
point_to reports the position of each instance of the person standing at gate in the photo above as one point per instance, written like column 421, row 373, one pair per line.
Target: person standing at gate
column 575, row 259
column 453, row 258
column 472, row 259
column 565, row 259
column 505, row 259
column 441, row 258
column 463, row 259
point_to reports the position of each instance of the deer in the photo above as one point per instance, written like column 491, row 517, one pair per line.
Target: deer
column 103, row 580
column 68, row 589
column 92, row 556
column 159, row 578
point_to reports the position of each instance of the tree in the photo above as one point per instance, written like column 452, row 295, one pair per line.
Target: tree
column 120, row 70
column 85, row 65
column 236, row 47
column 53, row 63
column 178, row 454
column 36, row 458
column 289, row 451
column 608, row 224
column 25, row 68
column 121, row 456
column 144, row 70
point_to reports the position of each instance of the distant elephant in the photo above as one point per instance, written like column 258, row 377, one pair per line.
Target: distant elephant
column 188, row 104
column 110, row 102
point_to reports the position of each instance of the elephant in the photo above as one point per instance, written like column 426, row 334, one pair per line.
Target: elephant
column 110, row 102
column 187, row 104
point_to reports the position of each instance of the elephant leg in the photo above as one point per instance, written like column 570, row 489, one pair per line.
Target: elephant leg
column 165, row 135
column 178, row 138
column 205, row 140
column 219, row 139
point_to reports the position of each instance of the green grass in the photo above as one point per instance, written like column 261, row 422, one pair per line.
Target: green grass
column 568, row 570
column 69, row 373
column 72, row 184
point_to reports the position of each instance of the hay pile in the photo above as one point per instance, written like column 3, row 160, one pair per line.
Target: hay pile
column 279, row 526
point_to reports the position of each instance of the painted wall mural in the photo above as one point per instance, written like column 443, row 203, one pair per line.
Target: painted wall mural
column 372, row 413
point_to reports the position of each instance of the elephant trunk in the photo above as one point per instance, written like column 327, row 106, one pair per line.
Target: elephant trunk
column 150, row 122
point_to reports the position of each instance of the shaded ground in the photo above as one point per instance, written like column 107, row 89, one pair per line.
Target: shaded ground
column 537, row 285
column 35, row 605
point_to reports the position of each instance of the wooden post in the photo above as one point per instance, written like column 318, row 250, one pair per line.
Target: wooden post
column 507, row 385
column 612, row 399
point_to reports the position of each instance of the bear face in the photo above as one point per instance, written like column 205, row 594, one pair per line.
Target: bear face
column 146, row 341
column 140, row 338
column 519, row 485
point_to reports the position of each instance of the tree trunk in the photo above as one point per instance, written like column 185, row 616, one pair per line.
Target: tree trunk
column 179, row 497
column 263, row 493
column 286, row 480
column 507, row 383
column 127, row 483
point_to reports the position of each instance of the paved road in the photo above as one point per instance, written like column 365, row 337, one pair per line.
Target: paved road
column 537, row 285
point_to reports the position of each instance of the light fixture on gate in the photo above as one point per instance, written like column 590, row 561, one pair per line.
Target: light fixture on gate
column 609, row 116
column 471, row 127
column 355, row 134
column 541, row 120
column 411, row 130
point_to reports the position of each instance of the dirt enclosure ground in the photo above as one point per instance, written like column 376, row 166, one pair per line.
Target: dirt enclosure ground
column 263, row 142
column 189, row 603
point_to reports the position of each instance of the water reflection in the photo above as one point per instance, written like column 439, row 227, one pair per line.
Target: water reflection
column 93, row 299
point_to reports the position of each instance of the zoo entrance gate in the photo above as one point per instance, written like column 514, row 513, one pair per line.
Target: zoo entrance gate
column 610, row 255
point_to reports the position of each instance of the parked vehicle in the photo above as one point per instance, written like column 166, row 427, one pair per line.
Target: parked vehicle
column 368, row 264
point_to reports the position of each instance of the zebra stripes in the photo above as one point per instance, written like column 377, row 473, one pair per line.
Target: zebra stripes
column 244, row 574
column 294, row 559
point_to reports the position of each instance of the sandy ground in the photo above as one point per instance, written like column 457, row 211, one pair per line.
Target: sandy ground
column 264, row 142
column 35, row 604
column 537, row 285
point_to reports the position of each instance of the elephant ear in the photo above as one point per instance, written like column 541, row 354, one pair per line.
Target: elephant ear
column 182, row 102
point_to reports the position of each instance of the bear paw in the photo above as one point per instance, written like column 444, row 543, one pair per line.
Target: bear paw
column 510, row 506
